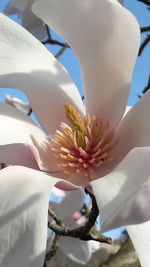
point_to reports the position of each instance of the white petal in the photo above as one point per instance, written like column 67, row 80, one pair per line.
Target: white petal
column 32, row 23
column 23, row 207
column 140, row 236
column 123, row 195
column 105, row 38
column 27, row 65
column 18, row 4
column 77, row 250
column 134, row 128
column 18, row 103
column 72, row 202
column 22, row 142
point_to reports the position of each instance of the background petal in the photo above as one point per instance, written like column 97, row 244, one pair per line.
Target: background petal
column 105, row 38
column 72, row 202
column 27, row 65
column 140, row 236
column 77, row 250
column 23, row 207
column 32, row 23
column 123, row 195
column 17, row 103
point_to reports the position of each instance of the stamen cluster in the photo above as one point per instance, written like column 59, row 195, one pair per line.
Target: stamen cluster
column 81, row 151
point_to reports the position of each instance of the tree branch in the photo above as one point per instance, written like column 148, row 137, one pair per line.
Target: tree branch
column 61, row 51
column 145, row 29
column 85, row 232
column 147, row 2
column 30, row 111
column 51, row 253
column 146, row 41
column 147, row 87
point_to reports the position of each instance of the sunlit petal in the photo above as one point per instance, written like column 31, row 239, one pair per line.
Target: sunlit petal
column 140, row 236
column 27, row 65
column 122, row 195
column 23, row 207
column 105, row 38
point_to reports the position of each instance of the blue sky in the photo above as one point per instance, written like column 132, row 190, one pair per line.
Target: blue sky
column 141, row 71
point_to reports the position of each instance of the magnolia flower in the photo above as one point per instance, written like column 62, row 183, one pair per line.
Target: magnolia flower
column 93, row 146
column 22, row 8
column 77, row 250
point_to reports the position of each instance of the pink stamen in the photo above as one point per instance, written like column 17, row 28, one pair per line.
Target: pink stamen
column 81, row 160
column 85, row 166
column 91, row 161
column 97, row 150
column 87, row 142
column 83, row 153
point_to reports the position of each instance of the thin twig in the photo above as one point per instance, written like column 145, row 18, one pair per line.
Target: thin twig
column 48, row 32
column 49, row 40
column 29, row 112
column 52, row 252
column 147, row 2
column 147, row 87
column 85, row 232
column 3, row 165
column 53, row 42
column 61, row 51
column 143, row 45
column 86, row 236
column 145, row 29
column 56, row 218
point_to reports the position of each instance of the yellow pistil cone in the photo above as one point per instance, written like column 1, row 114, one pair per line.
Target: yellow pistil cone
column 77, row 123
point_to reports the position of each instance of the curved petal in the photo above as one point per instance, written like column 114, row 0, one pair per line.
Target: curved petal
column 77, row 250
column 123, row 195
column 17, row 103
column 18, row 4
column 29, row 21
column 140, row 236
column 134, row 129
column 27, row 65
column 22, row 142
column 33, row 24
column 105, row 38
column 19, row 154
column 24, row 201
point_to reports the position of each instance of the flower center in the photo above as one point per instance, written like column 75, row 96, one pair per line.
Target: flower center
column 83, row 144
